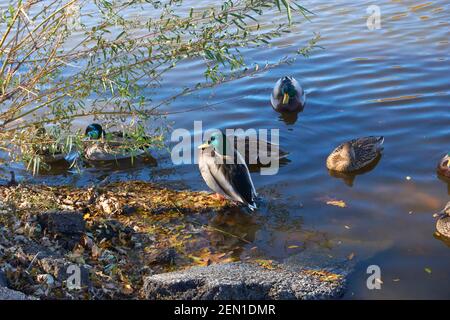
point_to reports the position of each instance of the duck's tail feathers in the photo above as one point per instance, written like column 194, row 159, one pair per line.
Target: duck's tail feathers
column 379, row 144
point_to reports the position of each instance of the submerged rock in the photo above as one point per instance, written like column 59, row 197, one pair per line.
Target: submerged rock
column 240, row 280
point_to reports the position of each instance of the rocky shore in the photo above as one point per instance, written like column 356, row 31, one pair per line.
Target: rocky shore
column 137, row 240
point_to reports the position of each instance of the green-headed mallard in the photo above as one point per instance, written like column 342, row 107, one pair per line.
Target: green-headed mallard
column 443, row 222
column 223, row 174
column 288, row 95
column 444, row 166
column 98, row 148
column 355, row 154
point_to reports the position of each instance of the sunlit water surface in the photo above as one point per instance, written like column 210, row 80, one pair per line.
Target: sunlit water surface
column 392, row 82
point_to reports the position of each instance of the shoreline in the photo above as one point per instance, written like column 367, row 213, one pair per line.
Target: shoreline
column 123, row 239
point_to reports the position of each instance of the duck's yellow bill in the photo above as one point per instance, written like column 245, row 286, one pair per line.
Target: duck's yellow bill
column 448, row 164
column 285, row 98
column 202, row 146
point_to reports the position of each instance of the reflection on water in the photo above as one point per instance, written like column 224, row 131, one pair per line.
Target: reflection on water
column 391, row 82
column 349, row 177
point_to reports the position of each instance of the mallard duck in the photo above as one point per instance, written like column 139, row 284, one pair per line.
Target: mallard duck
column 52, row 153
column 443, row 222
column 114, row 148
column 223, row 174
column 444, row 166
column 355, row 154
column 253, row 147
column 288, row 95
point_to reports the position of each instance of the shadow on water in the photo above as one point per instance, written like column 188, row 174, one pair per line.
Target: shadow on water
column 123, row 164
column 349, row 178
column 441, row 238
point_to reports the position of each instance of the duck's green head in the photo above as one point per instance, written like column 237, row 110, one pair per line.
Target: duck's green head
column 94, row 131
column 287, row 89
column 218, row 141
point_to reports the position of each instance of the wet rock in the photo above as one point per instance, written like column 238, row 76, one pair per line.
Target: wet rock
column 67, row 226
column 240, row 280
column 8, row 294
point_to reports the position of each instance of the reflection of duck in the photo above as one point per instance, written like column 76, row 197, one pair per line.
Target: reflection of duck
column 349, row 177
column 289, row 118
column 444, row 166
column 443, row 222
column 231, row 229
column 355, row 154
column 288, row 95
column 102, row 146
column 231, row 179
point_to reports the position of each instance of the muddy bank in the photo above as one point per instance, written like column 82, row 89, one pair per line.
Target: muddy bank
column 119, row 241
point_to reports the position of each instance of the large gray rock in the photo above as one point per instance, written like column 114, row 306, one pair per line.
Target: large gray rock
column 8, row 294
column 240, row 280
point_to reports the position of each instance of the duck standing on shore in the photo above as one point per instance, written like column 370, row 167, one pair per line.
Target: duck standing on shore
column 223, row 175
column 288, row 95
column 443, row 222
column 355, row 154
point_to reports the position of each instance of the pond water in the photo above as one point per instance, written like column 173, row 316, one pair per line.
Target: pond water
column 394, row 82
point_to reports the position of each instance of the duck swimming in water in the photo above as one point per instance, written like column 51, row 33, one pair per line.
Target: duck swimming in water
column 444, row 166
column 51, row 153
column 115, row 148
column 254, row 148
column 443, row 222
column 223, row 174
column 355, row 154
column 288, row 95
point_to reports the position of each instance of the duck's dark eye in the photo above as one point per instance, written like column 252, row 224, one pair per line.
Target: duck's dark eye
column 213, row 138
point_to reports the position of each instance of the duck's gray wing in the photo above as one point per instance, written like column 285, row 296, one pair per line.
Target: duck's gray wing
column 239, row 180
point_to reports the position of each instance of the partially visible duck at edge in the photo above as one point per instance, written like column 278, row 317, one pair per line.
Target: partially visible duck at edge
column 444, row 166
column 443, row 221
